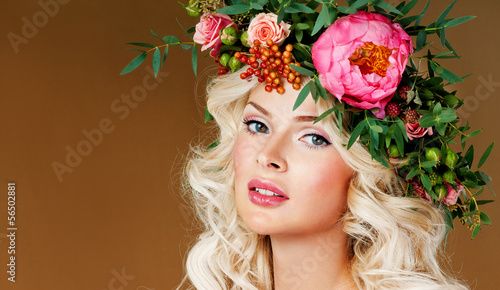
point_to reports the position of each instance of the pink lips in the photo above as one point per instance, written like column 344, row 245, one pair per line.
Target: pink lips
column 265, row 200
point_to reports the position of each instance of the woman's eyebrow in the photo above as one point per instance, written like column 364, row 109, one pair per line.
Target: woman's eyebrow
column 305, row 118
column 260, row 109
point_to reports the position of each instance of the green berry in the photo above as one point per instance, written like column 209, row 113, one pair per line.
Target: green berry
column 393, row 151
column 234, row 64
column 224, row 59
column 228, row 35
column 192, row 9
column 432, row 154
column 440, row 191
column 244, row 39
column 451, row 158
column 435, row 179
column 449, row 176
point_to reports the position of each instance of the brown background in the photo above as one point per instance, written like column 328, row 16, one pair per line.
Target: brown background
column 119, row 208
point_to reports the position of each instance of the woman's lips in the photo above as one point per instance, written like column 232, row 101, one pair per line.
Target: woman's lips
column 265, row 193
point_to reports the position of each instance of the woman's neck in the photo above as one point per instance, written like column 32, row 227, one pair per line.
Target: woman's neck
column 316, row 261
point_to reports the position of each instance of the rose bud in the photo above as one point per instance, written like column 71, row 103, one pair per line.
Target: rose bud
column 229, row 35
column 224, row 59
column 440, row 191
column 234, row 64
column 449, row 176
column 451, row 159
column 432, row 154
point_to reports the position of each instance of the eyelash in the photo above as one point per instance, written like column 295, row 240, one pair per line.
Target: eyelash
column 248, row 121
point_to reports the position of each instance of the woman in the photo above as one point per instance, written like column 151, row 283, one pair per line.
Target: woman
column 332, row 166
column 341, row 223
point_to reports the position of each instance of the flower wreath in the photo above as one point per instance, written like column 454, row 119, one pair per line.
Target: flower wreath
column 364, row 55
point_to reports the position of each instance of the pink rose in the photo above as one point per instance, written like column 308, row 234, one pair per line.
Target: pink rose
column 207, row 31
column 419, row 190
column 264, row 26
column 361, row 58
column 415, row 131
column 452, row 196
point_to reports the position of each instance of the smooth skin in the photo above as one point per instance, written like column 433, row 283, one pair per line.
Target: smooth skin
column 280, row 146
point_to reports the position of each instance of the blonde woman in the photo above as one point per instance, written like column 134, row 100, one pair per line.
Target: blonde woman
column 331, row 166
column 286, row 206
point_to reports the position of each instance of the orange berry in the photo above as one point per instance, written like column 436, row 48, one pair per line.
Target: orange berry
column 297, row 80
column 269, row 89
column 277, row 62
column 276, row 81
column 243, row 76
column 280, row 90
column 287, row 60
column 296, row 86
column 289, row 47
column 286, row 54
column 273, row 85
column 263, row 58
column 277, row 54
column 273, row 75
column 269, row 42
column 256, row 42
column 275, row 48
column 269, row 80
column 291, row 76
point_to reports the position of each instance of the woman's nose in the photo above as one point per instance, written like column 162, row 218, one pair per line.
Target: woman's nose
column 272, row 154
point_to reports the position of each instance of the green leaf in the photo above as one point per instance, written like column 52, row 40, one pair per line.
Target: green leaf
column 402, row 128
column 443, row 15
column 321, row 20
column 408, row 7
column 321, row 89
column 412, row 173
column 171, row 40
column 358, row 4
column 301, row 52
column 445, row 73
column 141, row 44
column 213, row 145
column 346, row 10
column 476, row 231
column 475, row 133
column 324, row 115
column 194, row 59
column 388, row 135
column 447, row 115
column 256, row 6
column 356, row 132
column 458, row 21
column 186, row 46
column 421, row 38
column 426, row 182
column 156, row 61
column 208, row 116
column 134, row 63
column 417, row 23
column 427, row 120
column 382, row 4
column 428, row 164
column 485, row 219
column 234, row 9
column 302, row 26
column 377, row 129
column 302, row 96
column 164, row 57
column 296, row 8
column 485, row 156
column 301, row 70
column 481, row 202
column 437, row 109
column 299, row 34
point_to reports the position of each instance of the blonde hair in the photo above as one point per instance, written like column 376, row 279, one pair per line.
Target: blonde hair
column 395, row 240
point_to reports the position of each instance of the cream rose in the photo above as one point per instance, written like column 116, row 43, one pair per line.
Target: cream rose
column 264, row 26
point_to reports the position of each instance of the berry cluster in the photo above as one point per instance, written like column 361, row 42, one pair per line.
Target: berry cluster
column 273, row 63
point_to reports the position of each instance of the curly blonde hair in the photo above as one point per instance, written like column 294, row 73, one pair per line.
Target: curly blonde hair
column 394, row 240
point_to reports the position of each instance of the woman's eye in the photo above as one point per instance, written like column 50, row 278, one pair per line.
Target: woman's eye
column 316, row 140
column 256, row 126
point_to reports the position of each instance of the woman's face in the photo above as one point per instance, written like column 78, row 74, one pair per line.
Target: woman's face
column 281, row 152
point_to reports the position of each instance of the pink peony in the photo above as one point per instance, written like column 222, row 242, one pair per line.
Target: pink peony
column 415, row 131
column 452, row 196
column 361, row 58
column 264, row 26
column 207, row 31
column 417, row 187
